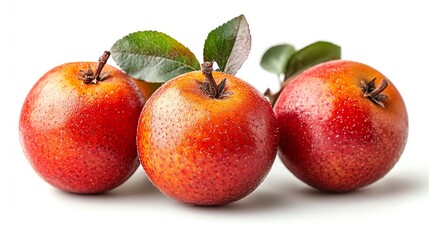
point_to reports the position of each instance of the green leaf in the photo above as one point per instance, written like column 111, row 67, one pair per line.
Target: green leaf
column 311, row 55
column 276, row 58
column 229, row 45
column 153, row 56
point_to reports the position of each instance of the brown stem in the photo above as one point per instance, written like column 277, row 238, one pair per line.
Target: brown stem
column 380, row 88
column 272, row 97
column 374, row 93
column 89, row 76
column 209, row 86
column 101, row 62
column 207, row 69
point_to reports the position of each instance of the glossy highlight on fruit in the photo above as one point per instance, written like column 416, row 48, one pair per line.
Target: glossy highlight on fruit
column 78, row 126
column 206, row 143
column 343, row 125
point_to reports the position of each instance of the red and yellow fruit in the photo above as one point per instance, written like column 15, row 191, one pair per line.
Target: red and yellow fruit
column 207, row 138
column 77, row 128
column 343, row 125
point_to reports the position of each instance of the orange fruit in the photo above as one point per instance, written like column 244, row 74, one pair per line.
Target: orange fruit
column 207, row 138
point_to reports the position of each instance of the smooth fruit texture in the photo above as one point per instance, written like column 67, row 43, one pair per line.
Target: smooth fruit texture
column 339, row 131
column 147, row 88
column 81, row 137
column 207, row 146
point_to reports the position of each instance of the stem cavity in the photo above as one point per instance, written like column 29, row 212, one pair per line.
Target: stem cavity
column 374, row 93
column 89, row 77
column 209, row 86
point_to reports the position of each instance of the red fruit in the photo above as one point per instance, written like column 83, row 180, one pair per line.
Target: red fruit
column 78, row 128
column 208, row 143
column 343, row 125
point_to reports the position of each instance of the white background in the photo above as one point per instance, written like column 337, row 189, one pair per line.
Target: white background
column 390, row 36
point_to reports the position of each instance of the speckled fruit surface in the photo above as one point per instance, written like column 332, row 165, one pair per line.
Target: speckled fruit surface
column 205, row 151
column 331, row 136
column 81, row 137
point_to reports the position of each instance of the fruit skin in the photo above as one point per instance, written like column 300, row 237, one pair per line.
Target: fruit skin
column 81, row 137
column 331, row 136
column 205, row 151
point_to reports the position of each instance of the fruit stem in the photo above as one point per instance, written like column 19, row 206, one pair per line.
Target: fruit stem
column 207, row 69
column 373, row 93
column 89, row 76
column 101, row 62
column 380, row 88
column 272, row 97
column 209, row 86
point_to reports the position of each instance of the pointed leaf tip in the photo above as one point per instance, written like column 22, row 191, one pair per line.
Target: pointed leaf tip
column 229, row 45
